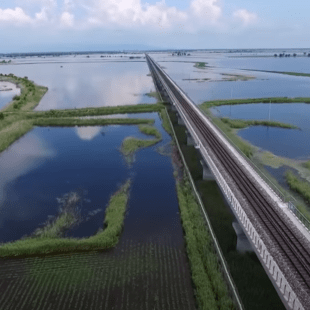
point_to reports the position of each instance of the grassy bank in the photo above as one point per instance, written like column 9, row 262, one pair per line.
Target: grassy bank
column 212, row 103
column 49, row 242
column 30, row 96
column 211, row 289
column 239, row 123
column 298, row 185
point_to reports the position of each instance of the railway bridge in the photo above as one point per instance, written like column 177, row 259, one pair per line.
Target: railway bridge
column 280, row 241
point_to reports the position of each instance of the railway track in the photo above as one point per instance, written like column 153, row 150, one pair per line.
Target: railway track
column 292, row 249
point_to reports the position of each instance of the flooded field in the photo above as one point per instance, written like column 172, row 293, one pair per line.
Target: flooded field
column 212, row 82
column 148, row 269
column 88, row 83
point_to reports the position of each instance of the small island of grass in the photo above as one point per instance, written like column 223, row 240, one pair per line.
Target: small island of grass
column 47, row 240
column 131, row 144
column 240, row 123
column 200, row 65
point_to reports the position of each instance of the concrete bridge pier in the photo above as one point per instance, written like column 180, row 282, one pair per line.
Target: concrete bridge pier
column 207, row 173
column 180, row 120
column 243, row 244
column 189, row 139
column 173, row 108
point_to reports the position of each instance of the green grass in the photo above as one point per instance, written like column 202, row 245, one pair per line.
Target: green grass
column 237, row 77
column 238, row 123
column 139, row 108
column 211, row 290
column 165, row 121
column 200, row 65
column 283, row 72
column 64, row 122
column 298, row 185
column 154, row 94
column 150, row 131
column 50, row 242
column 130, row 144
column 209, row 104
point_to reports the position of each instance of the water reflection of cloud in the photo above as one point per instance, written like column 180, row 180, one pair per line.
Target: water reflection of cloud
column 87, row 133
column 107, row 84
column 23, row 156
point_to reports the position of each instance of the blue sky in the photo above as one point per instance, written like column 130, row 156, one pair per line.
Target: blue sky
column 65, row 25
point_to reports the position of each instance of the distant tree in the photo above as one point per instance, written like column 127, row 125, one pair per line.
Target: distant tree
column 294, row 54
column 275, row 55
column 1, row 115
column 309, row 55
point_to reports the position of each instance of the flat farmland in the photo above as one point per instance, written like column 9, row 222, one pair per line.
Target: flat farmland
column 131, row 276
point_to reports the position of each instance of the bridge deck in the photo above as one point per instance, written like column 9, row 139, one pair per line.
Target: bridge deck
column 287, row 245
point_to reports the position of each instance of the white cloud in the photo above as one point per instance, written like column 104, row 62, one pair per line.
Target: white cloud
column 245, row 16
column 132, row 13
column 124, row 14
column 16, row 16
column 67, row 19
column 207, row 10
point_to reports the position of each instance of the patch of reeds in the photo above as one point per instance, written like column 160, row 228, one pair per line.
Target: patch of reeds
column 239, row 123
column 47, row 244
column 69, row 215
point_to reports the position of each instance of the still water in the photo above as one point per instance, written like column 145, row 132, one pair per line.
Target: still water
column 91, row 83
column 7, row 92
column 48, row 162
column 193, row 80
column 292, row 143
